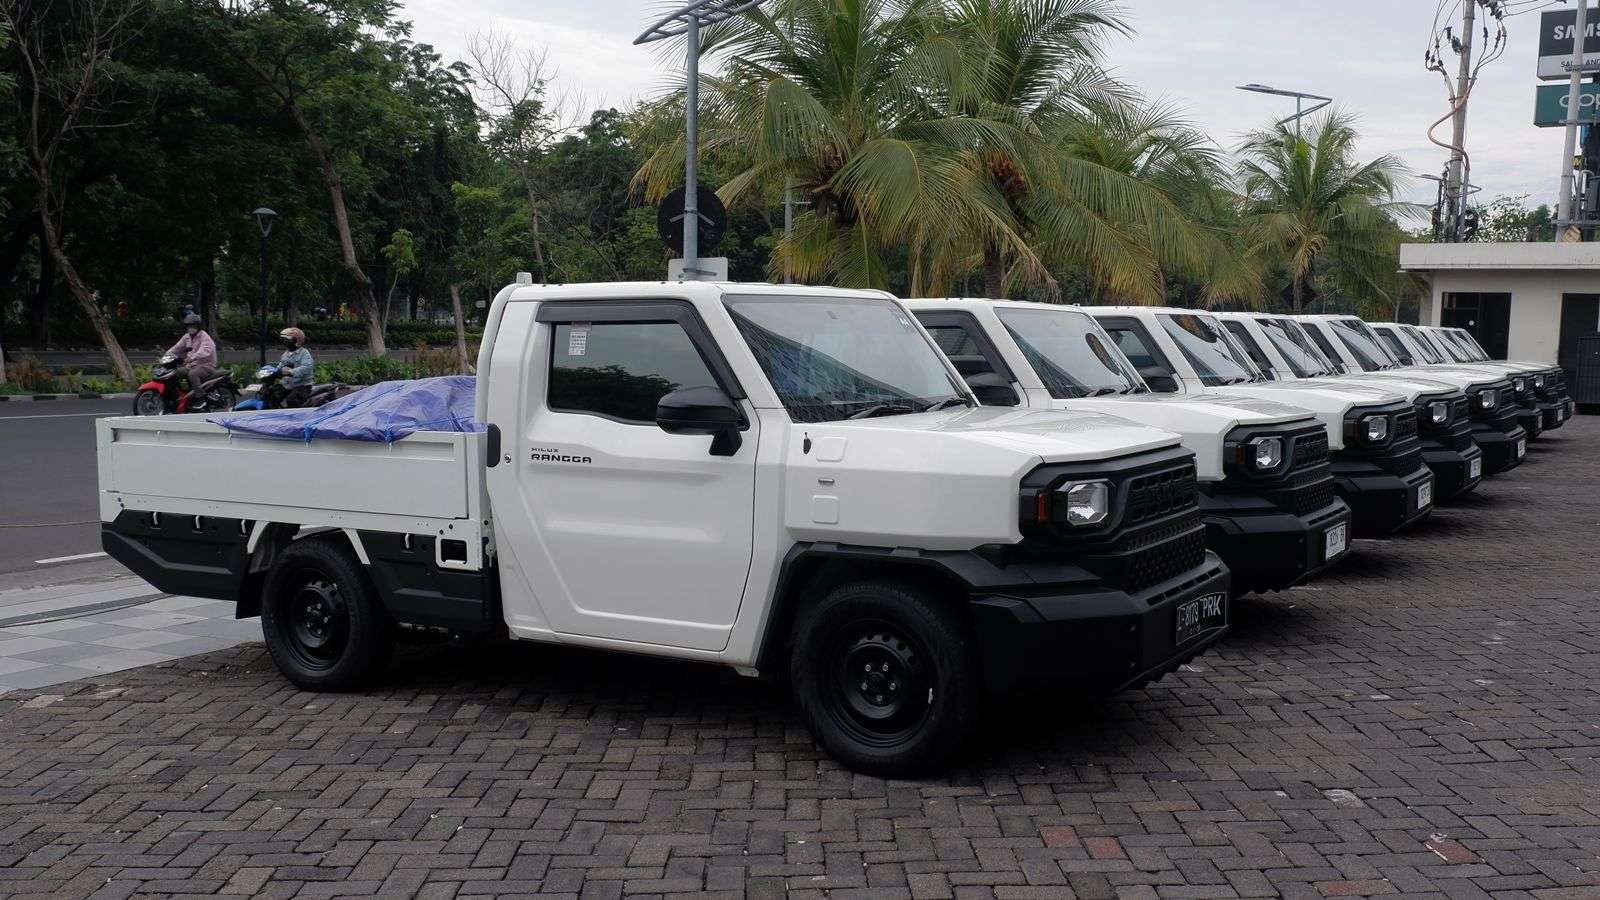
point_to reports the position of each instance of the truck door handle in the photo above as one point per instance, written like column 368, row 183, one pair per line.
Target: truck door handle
column 492, row 448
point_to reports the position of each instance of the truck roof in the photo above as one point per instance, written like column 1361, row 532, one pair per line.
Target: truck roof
column 624, row 291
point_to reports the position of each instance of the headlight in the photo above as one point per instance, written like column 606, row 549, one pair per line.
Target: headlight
column 1521, row 385
column 1538, row 381
column 1087, row 502
column 1438, row 412
column 1266, row 453
column 264, row 371
column 1375, row 428
column 1487, row 399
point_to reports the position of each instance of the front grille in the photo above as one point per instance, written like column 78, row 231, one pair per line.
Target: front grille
column 1304, row 493
column 1163, row 554
column 1405, row 424
column 1400, row 461
column 1310, row 450
column 1460, row 410
column 1161, row 493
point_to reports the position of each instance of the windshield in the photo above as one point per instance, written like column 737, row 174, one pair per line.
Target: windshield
column 1069, row 353
column 1398, row 351
column 1468, row 344
column 1421, row 345
column 1205, row 344
column 1324, row 344
column 1302, row 356
column 832, row 358
column 1369, row 354
column 1446, row 347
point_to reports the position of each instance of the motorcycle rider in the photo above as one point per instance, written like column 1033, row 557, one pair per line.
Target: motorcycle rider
column 298, row 367
column 197, row 354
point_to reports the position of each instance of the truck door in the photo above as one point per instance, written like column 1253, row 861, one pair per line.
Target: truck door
column 628, row 532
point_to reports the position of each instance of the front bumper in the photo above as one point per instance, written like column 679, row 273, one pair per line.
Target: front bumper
column 1381, row 503
column 1095, row 637
column 1554, row 413
column 1269, row 548
column 1502, row 450
column 1456, row 461
column 1531, row 418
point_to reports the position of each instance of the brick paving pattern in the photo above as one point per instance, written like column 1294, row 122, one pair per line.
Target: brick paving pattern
column 1425, row 722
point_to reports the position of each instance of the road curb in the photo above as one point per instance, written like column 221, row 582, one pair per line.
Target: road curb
column 39, row 398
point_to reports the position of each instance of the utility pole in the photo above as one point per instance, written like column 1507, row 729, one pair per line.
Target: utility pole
column 1454, row 190
column 1565, row 230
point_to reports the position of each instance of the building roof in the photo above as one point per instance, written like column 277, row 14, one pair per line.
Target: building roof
column 1527, row 256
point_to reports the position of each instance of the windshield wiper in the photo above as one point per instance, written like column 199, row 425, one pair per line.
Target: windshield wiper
column 889, row 408
column 946, row 403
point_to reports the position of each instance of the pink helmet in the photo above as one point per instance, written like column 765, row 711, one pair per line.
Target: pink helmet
column 293, row 334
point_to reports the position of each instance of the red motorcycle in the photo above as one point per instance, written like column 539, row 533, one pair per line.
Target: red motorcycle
column 162, row 396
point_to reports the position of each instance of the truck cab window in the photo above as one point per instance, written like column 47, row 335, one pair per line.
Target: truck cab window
column 1422, row 346
column 621, row 369
column 961, row 348
column 832, row 358
column 1396, row 349
column 1369, row 354
column 1068, row 354
column 1325, row 345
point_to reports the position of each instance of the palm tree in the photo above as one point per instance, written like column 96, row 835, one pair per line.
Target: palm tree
column 850, row 102
column 1309, row 204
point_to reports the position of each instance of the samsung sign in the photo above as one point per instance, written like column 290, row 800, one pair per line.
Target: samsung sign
column 1556, row 30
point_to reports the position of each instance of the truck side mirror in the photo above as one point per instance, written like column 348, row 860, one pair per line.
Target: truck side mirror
column 992, row 389
column 703, row 410
column 1159, row 379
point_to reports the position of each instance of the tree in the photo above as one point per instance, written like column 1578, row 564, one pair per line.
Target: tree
column 8, row 161
column 1309, row 203
column 66, row 56
column 1508, row 219
column 401, row 255
column 328, row 65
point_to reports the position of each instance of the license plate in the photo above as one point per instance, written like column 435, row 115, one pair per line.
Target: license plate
column 1424, row 496
column 253, row 388
column 1334, row 540
column 1201, row 615
column 1522, row 447
column 1475, row 468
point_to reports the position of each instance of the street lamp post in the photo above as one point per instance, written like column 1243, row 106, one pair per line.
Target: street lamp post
column 1299, row 102
column 686, row 21
column 264, row 217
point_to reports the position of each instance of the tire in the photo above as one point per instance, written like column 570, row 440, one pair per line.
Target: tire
column 324, row 624
column 886, row 677
column 149, row 403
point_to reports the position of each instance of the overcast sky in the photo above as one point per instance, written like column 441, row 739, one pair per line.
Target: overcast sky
column 1365, row 53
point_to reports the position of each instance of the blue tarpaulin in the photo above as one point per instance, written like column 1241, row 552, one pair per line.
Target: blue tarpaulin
column 384, row 413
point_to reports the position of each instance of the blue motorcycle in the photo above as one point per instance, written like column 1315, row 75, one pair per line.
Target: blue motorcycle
column 266, row 392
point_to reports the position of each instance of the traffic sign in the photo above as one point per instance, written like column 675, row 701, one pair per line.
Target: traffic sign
column 712, row 214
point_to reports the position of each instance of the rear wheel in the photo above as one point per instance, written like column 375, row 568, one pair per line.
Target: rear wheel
column 886, row 677
column 225, row 399
column 322, row 620
column 149, row 402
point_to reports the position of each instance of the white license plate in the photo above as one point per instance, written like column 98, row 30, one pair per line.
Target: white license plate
column 1201, row 615
column 1522, row 448
column 1475, row 468
column 1335, row 540
column 1425, row 496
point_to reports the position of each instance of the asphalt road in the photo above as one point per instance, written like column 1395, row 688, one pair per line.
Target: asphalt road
column 48, row 477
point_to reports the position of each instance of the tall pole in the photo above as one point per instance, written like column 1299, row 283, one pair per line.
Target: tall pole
column 262, row 340
column 691, row 181
column 1298, row 102
column 788, row 185
column 1570, row 144
column 1453, row 189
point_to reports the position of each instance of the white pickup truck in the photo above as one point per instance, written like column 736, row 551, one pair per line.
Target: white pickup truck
column 783, row 480
column 1372, row 432
column 1280, row 346
column 1266, row 492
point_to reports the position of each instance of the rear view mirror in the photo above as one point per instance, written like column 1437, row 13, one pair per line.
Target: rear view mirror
column 992, row 389
column 1159, row 379
column 703, row 410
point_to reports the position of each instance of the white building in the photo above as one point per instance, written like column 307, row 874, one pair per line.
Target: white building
column 1527, row 301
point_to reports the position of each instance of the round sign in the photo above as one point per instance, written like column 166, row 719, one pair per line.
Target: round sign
column 712, row 214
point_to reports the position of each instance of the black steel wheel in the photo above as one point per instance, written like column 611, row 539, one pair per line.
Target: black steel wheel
column 886, row 676
column 324, row 624
column 149, row 402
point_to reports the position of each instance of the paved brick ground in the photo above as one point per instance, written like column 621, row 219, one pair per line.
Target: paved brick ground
column 1427, row 723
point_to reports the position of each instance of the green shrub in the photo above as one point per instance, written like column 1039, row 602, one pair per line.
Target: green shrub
column 32, row 375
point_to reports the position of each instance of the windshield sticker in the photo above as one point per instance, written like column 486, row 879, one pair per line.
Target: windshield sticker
column 578, row 340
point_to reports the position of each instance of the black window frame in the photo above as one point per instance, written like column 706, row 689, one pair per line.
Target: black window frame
column 1135, row 325
column 638, row 312
column 1252, row 347
column 980, row 338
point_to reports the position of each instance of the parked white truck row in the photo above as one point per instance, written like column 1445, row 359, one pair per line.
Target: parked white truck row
column 797, row 483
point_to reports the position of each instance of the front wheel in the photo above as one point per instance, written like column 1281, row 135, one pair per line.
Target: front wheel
column 322, row 620
column 886, row 677
column 149, row 402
